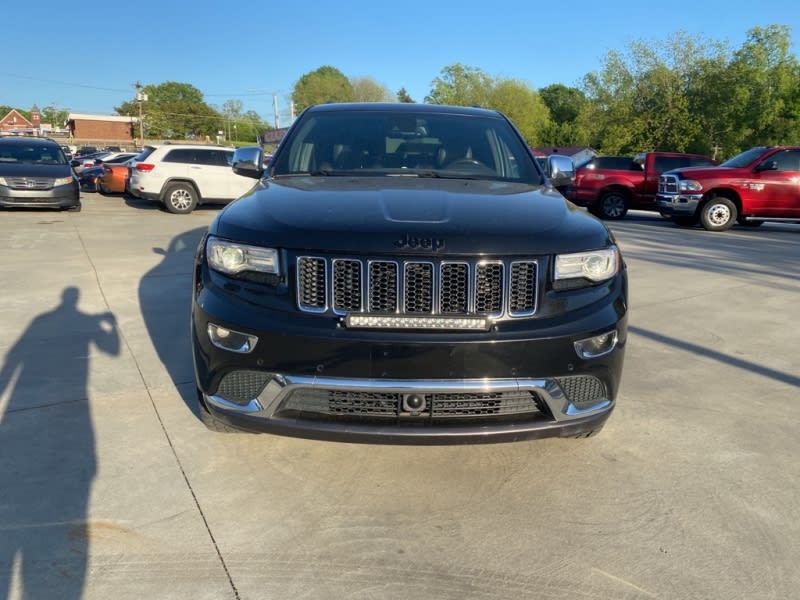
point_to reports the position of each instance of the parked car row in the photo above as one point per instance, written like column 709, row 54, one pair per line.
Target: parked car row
column 758, row 185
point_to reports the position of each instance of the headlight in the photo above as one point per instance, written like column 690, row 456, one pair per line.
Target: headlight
column 232, row 258
column 63, row 181
column 597, row 265
column 689, row 185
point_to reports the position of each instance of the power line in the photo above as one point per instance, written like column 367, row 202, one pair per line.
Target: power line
column 125, row 91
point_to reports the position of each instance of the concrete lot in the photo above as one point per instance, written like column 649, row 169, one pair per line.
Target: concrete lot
column 110, row 487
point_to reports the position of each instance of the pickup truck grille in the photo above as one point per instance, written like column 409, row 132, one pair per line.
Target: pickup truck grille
column 416, row 287
column 668, row 184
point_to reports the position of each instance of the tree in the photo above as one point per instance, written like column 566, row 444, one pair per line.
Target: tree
column 174, row 110
column 366, row 89
column 768, row 75
column 565, row 103
column 52, row 115
column 232, row 114
column 402, row 96
column 641, row 100
column 326, row 84
column 523, row 106
column 461, row 85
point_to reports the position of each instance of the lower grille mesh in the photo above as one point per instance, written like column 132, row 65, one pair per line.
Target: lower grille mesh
column 362, row 405
column 242, row 386
column 583, row 388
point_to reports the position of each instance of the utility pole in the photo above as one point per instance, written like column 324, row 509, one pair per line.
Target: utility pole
column 140, row 97
column 275, row 110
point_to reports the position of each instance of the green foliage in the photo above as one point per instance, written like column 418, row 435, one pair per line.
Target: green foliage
column 326, row 84
column 367, row 89
column 174, row 111
column 692, row 94
column 403, row 96
column 460, row 85
column 523, row 106
column 565, row 103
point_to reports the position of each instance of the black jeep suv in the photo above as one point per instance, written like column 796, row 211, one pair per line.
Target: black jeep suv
column 407, row 273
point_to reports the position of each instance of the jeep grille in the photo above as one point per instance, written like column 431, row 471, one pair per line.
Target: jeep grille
column 344, row 285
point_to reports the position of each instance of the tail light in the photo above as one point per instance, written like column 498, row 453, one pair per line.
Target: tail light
column 145, row 167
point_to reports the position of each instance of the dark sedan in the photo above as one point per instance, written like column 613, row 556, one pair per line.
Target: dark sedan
column 35, row 173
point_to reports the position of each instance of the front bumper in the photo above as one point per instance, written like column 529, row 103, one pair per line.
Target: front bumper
column 678, row 204
column 308, row 376
column 63, row 196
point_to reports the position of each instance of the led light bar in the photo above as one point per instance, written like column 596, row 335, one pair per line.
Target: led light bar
column 406, row 322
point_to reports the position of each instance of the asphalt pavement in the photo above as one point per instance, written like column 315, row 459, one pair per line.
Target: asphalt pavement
column 110, row 487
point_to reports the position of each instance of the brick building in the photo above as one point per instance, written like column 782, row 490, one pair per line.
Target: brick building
column 101, row 127
column 15, row 123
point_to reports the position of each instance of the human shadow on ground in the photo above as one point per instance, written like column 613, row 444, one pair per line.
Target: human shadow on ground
column 165, row 299
column 47, row 450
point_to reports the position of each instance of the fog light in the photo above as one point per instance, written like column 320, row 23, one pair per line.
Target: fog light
column 597, row 346
column 233, row 341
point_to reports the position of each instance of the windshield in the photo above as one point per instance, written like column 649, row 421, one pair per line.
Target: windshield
column 403, row 143
column 37, row 154
column 745, row 158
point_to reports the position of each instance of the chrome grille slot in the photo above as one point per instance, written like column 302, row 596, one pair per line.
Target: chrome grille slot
column 489, row 288
column 346, row 285
column 522, row 296
column 311, row 284
column 418, row 289
column 383, row 284
column 470, row 287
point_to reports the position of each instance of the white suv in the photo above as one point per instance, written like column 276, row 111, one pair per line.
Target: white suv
column 183, row 176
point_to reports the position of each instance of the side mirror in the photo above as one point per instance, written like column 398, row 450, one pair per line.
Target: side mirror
column 560, row 169
column 248, row 162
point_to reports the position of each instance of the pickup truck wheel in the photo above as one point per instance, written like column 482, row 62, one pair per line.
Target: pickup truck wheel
column 718, row 214
column 682, row 221
column 612, row 205
column 180, row 198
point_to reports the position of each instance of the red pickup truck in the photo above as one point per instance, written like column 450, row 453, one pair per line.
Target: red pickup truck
column 760, row 184
column 609, row 186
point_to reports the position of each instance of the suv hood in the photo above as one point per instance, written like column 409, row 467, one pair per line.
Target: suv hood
column 409, row 215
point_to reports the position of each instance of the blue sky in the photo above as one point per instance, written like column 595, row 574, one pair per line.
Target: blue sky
column 87, row 58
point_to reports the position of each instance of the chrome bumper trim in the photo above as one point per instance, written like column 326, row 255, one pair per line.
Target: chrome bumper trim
column 280, row 386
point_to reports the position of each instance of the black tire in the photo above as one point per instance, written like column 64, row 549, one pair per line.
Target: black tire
column 682, row 221
column 212, row 422
column 612, row 205
column 180, row 198
column 718, row 214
